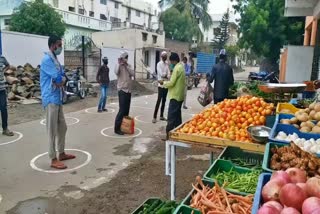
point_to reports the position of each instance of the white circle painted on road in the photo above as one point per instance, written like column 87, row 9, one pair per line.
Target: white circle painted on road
column 20, row 135
column 142, row 107
column 94, row 111
column 137, row 118
column 33, row 165
column 0, row 199
column 123, row 136
column 73, row 121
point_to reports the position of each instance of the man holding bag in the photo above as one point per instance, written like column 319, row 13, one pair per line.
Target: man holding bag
column 124, row 74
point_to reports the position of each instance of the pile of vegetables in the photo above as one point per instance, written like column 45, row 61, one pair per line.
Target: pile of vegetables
column 238, row 182
column 159, row 207
column 247, row 88
column 311, row 145
column 217, row 200
column 229, row 119
column 290, row 192
column 244, row 163
column 306, row 120
column 292, row 156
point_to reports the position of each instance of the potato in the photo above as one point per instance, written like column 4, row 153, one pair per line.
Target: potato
column 317, row 107
column 317, row 116
column 316, row 129
column 307, row 110
column 310, row 124
column 312, row 114
column 318, row 124
column 285, row 121
column 312, row 105
column 303, row 117
column 297, row 126
column 304, row 124
column 305, row 129
column 293, row 120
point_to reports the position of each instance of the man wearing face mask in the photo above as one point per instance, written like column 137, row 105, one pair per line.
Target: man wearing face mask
column 103, row 80
column 162, row 74
column 52, row 80
column 176, row 86
column 124, row 73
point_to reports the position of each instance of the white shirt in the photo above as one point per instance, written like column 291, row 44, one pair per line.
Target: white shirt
column 163, row 71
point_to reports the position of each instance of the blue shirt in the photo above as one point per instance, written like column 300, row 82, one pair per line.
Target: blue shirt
column 187, row 68
column 49, row 73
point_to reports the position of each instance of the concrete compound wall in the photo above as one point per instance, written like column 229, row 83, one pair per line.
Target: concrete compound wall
column 21, row 48
column 177, row 47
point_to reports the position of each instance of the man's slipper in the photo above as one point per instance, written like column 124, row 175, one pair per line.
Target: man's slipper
column 63, row 157
column 58, row 165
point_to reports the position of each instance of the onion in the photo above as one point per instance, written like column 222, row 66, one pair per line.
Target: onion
column 317, row 211
column 274, row 204
column 282, row 175
column 268, row 210
column 290, row 210
column 303, row 186
column 313, row 187
column 292, row 196
column 297, row 175
column 310, row 205
column 270, row 191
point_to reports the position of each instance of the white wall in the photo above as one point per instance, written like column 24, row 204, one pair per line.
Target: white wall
column 113, row 54
column 21, row 48
column 299, row 63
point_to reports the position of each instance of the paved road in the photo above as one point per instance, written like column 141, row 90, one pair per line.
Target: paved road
column 244, row 75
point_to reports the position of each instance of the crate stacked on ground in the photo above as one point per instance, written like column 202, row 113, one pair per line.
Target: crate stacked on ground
column 156, row 206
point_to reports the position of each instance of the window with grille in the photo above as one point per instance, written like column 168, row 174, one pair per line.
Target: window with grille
column 72, row 9
column 116, row 5
column 103, row 2
column 91, row 13
column 103, row 17
column 138, row 13
column 81, row 11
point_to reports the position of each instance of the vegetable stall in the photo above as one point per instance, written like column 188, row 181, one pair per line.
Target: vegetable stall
column 260, row 170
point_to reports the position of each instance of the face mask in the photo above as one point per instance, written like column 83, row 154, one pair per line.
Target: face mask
column 58, row 51
column 171, row 66
column 125, row 60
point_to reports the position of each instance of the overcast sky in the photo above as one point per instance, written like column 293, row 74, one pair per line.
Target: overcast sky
column 216, row 6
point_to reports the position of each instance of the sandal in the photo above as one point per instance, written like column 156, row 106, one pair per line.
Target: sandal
column 64, row 156
column 58, row 165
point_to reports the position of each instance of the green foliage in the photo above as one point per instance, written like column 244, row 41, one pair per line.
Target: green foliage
column 222, row 37
column 37, row 18
column 232, row 50
column 264, row 28
column 193, row 12
column 178, row 26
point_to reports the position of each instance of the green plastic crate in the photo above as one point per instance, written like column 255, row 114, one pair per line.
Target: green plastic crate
column 148, row 201
column 183, row 209
column 268, row 155
column 234, row 154
column 225, row 165
column 187, row 200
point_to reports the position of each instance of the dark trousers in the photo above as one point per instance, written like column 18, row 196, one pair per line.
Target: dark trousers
column 162, row 97
column 174, row 115
column 124, row 108
column 218, row 100
column 3, row 109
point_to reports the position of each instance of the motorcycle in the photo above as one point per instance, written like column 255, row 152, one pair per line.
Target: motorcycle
column 196, row 79
column 74, row 86
column 263, row 76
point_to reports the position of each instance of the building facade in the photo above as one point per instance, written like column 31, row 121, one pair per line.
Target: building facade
column 84, row 17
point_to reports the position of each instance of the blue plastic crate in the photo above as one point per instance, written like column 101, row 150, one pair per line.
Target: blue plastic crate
column 257, row 201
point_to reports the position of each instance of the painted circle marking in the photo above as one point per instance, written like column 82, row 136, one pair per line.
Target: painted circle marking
column 141, row 121
column 20, row 135
column 76, row 120
column 141, row 107
column 0, row 198
column 130, row 136
column 33, row 166
column 110, row 111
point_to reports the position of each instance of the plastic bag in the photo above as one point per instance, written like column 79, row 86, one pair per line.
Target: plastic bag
column 127, row 125
column 206, row 95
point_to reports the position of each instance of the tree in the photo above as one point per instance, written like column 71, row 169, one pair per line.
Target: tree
column 222, row 37
column 178, row 26
column 37, row 18
column 264, row 28
column 195, row 10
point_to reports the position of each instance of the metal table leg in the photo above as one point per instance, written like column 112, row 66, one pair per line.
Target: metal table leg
column 173, row 171
column 211, row 158
column 168, row 158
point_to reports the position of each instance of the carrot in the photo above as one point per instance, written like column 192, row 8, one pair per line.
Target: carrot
column 226, row 197
column 242, row 210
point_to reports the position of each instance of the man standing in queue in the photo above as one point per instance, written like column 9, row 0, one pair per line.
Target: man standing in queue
column 52, row 80
column 162, row 74
column 222, row 75
column 176, row 87
column 125, row 74
column 103, row 80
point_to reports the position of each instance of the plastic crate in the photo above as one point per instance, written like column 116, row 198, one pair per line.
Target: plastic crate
column 148, row 201
column 235, row 153
column 225, row 165
column 183, row 209
column 187, row 200
column 263, row 179
column 270, row 120
column 268, row 155
column 286, row 106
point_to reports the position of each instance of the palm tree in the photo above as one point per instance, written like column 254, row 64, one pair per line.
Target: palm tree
column 196, row 9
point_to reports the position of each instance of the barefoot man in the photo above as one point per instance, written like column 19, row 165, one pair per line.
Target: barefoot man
column 52, row 80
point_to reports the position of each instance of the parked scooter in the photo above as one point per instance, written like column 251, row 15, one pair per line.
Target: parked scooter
column 196, row 79
column 263, row 76
column 74, row 86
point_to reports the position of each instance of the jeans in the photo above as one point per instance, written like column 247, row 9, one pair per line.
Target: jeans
column 3, row 109
column 124, row 108
column 103, row 97
column 174, row 115
column 162, row 97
